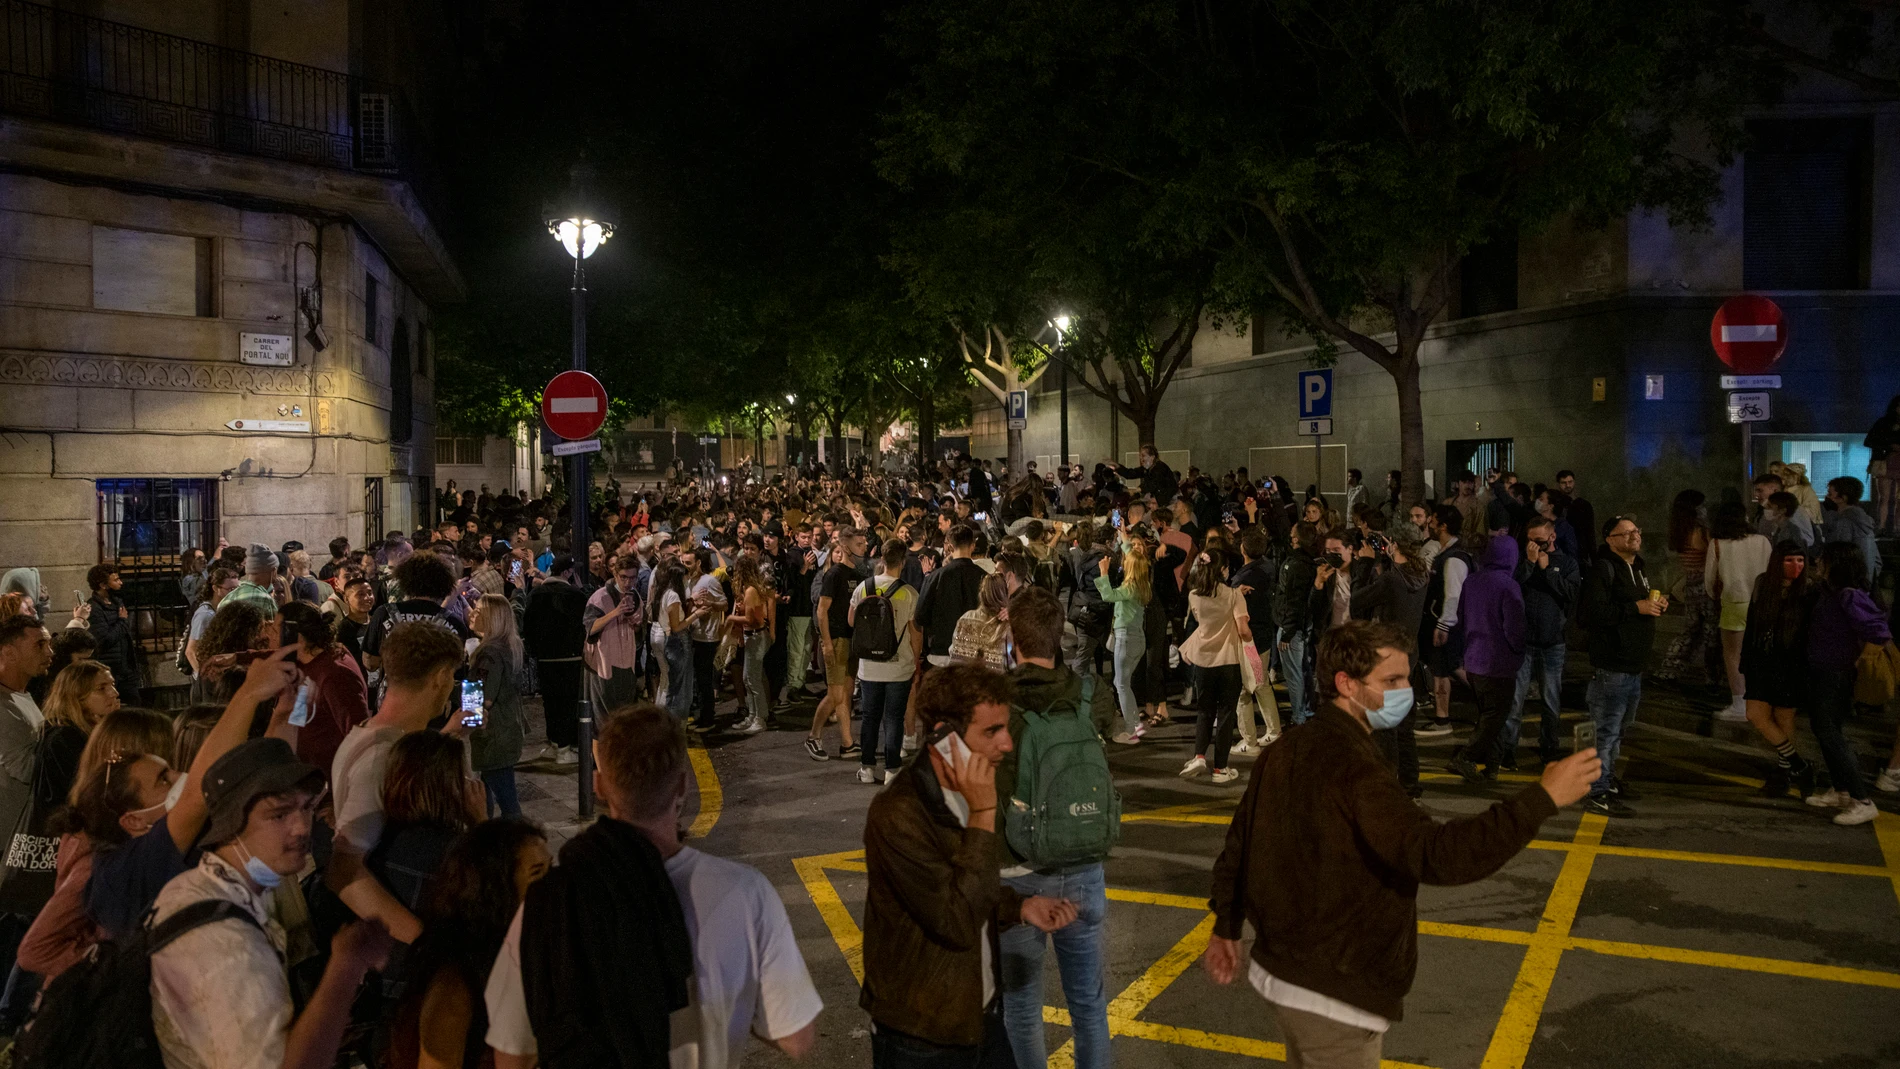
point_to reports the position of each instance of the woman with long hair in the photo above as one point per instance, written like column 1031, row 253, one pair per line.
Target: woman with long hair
column 1215, row 649
column 1127, row 638
column 1737, row 557
column 442, row 1022
column 706, row 625
column 1775, row 662
column 427, row 802
column 82, row 696
column 1846, row 618
column 336, row 695
column 495, row 747
column 670, row 621
column 979, row 634
column 1689, row 546
column 756, row 617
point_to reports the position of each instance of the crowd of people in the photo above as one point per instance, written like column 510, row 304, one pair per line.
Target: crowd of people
column 323, row 853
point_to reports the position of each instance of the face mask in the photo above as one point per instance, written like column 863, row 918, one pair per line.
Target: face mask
column 1398, row 702
column 1792, row 567
column 261, row 874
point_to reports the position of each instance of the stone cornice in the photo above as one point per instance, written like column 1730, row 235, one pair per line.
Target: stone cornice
column 134, row 373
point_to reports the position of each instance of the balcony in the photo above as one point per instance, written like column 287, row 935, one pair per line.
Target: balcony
column 70, row 68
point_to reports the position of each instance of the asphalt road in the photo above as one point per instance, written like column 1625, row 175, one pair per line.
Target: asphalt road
column 1713, row 927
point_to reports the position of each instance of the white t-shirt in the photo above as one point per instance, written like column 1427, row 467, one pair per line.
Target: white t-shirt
column 1293, row 996
column 706, row 628
column 748, row 976
column 663, row 620
column 903, row 609
column 356, row 783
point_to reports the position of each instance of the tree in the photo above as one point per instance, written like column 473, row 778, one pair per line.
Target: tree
column 1337, row 158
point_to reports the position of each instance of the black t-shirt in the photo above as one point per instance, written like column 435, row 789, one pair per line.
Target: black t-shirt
column 385, row 619
column 839, row 582
column 351, row 634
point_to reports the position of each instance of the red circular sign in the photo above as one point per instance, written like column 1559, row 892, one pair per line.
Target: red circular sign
column 1749, row 333
column 574, row 405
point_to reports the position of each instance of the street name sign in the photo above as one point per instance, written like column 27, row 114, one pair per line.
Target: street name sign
column 568, row 449
column 266, row 350
column 291, row 426
column 1751, row 382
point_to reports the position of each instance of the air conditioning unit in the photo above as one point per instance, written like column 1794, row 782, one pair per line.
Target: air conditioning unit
column 375, row 145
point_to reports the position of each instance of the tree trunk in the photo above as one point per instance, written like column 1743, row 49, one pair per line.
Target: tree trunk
column 1018, row 464
column 1145, row 432
column 1411, row 423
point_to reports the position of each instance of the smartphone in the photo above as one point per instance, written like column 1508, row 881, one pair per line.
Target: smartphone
column 1114, row 517
column 1585, row 736
column 952, row 748
column 514, row 573
column 300, row 712
column 286, row 632
column 472, row 702
column 79, row 597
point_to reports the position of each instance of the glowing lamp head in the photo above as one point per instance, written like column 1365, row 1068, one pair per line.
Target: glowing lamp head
column 580, row 237
column 1062, row 323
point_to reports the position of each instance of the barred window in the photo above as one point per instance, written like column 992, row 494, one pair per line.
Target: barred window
column 462, row 450
column 146, row 526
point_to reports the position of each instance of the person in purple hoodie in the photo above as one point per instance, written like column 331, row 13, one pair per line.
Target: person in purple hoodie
column 1492, row 609
column 1846, row 618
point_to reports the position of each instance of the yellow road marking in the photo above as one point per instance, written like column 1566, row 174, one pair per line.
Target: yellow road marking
column 844, row 930
column 711, row 797
column 1745, row 962
column 1151, row 898
column 1193, row 813
column 1887, row 831
column 1469, row 931
column 1517, row 1025
column 1150, row 984
column 1796, row 864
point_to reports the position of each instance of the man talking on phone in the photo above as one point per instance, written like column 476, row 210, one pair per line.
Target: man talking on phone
column 1326, row 854
column 936, row 901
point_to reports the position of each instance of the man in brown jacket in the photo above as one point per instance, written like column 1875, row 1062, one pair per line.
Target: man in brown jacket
column 936, row 900
column 1326, row 853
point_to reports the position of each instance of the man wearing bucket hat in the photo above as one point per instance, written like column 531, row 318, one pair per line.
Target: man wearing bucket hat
column 220, row 993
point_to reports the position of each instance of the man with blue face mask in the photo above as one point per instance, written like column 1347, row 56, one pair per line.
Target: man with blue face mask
column 1326, row 854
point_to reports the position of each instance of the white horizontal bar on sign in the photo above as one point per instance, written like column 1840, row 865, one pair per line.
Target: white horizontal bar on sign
column 588, row 404
column 1743, row 332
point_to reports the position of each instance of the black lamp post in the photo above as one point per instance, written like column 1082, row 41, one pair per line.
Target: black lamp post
column 1061, row 324
column 577, row 225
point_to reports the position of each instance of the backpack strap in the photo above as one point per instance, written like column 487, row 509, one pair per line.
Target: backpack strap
column 196, row 915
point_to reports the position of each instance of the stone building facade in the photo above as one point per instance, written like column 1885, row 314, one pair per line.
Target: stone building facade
column 216, row 291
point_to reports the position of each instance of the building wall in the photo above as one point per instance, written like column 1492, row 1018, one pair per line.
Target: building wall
column 89, row 393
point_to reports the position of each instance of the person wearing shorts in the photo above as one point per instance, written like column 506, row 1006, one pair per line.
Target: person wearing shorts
column 832, row 615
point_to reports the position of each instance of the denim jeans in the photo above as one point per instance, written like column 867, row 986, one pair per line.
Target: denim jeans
column 894, row 1050
column 1292, row 661
column 679, row 675
column 881, row 715
column 1831, row 704
column 500, row 783
column 1551, row 660
column 1613, row 700
column 1080, row 959
column 1128, row 644
column 756, row 644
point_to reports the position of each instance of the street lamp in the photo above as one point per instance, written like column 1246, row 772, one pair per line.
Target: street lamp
column 1061, row 323
column 577, row 224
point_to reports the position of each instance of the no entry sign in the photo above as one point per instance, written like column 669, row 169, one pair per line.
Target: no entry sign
column 574, row 404
column 1749, row 333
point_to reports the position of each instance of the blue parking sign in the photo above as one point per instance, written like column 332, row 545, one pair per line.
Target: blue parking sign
column 1316, row 393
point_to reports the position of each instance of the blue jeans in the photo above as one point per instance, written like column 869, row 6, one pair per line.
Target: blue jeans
column 881, row 715
column 1551, row 660
column 1128, row 644
column 500, row 783
column 1613, row 700
column 1292, row 662
column 756, row 644
column 1080, row 954
column 679, row 675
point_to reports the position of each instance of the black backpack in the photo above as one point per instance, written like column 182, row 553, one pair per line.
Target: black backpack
column 874, row 634
column 98, row 1013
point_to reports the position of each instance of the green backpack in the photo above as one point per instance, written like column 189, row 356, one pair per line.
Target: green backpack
column 1065, row 810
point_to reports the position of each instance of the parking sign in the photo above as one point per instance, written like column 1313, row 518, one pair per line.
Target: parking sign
column 1316, row 393
column 1017, row 410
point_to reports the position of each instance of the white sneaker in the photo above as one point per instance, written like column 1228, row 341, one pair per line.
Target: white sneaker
column 1125, row 739
column 752, row 726
column 1828, row 799
column 1224, row 775
column 567, row 755
column 1243, row 748
column 1889, row 780
column 889, row 775
column 1194, row 767
column 1857, row 812
column 1268, row 738
column 1734, row 712
column 912, row 744
column 867, row 774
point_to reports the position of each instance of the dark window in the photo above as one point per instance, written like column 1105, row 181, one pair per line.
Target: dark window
column 1804, row 205
column 1487, row 278
column 372, row 302
column 459, row 450
column 1475, row 455
column 145, row 526
column 402, row 385
column 372, row 510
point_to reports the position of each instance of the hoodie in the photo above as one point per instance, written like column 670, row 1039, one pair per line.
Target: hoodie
column 1851, row 524
column 1549, row 594
column 1492, row 608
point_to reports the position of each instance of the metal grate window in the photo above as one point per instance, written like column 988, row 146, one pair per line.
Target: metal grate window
column 145, row 527
column 1475, row 455
column 462, row 450
column 373, row 529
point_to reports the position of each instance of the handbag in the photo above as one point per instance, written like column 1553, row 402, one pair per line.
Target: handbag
column 27, row 872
